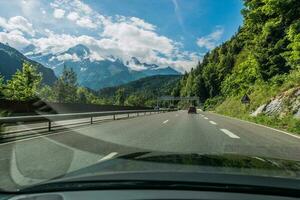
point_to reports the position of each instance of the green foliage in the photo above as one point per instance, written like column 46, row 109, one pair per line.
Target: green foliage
column 147, row 89
column 47, row 93
column 266, row 46
column 243, row 76
column 262, row 60
column 135, row 100
column 24, row 84
column 120, row 96
column 66, row 86
column 2, row 87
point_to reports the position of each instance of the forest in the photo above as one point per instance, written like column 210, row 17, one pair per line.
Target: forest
column 261, row 60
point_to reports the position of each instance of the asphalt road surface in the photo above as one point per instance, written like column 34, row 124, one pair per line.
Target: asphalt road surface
column 34, row 159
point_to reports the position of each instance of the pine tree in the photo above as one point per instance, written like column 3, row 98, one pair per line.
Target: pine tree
column 24, row 84
column 66, row 86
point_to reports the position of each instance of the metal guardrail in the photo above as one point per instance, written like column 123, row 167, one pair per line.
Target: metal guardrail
column 60, row 117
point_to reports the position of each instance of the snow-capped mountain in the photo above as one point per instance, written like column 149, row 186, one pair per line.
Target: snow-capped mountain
column 97, row 74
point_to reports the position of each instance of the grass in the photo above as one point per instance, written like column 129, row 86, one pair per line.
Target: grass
column 261, row 93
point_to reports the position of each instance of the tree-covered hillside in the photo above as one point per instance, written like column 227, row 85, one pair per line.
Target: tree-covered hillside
column 262, row 60
column 141, row 92
column 12, row 60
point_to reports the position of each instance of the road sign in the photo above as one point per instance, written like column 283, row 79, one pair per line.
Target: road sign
column 245, row 99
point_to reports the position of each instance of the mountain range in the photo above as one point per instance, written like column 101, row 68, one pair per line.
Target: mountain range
column 97, row 74
column 12, row 60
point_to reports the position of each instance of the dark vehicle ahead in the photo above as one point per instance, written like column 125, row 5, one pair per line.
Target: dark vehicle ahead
column 192, row 110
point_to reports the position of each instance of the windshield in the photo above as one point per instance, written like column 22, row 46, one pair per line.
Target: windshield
column 94, row 89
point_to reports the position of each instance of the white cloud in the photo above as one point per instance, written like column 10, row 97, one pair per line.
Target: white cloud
column 67, row 56
column 86, row 22
column 73, row 16
column 210, row 41
column 118, row 37
column 82, row 7
column 142, row 24
column 58, row 13
column 17, row 23
column 14, row 38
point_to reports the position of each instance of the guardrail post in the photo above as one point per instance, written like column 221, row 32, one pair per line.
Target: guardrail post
column 114, row 117
column 128, row 115
column 91, row 120
column 49, row 125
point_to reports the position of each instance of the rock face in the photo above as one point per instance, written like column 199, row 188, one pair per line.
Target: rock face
column 274, row 107
column 258, row 111
column 287, row 103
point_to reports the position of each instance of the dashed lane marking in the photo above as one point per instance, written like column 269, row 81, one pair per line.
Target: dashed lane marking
column 212, row 122
column 230, row 134
column 165, row 121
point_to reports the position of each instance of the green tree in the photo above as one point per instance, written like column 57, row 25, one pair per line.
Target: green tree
column 120, row 96
column 24, row 84
column 66, row 86
column 135, row 100
column 293, row 53
column 46, row 93
column 2, row 86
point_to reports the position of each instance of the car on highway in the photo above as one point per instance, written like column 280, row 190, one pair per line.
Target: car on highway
column 192, row 110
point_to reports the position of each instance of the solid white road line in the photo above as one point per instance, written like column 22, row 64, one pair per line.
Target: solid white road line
column 229, row 133
column 205, row 118
column 108, row 156
column 212, row 122
column 274, row 129
column 165, row 121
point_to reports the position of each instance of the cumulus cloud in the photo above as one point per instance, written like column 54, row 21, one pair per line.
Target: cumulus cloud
column 17, row 23
column 86, row 22
column 210, row 41
column 73, row 16
column 14, row 38
column 58, row 13
column 142, row 24
column 118, row 37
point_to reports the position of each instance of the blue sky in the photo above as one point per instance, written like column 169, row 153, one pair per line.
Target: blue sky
column 172, row 33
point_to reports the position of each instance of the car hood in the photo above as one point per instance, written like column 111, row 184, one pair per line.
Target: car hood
column 170, row 162
column 175, row 168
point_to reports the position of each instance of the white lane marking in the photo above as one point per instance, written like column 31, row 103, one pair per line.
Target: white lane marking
column 274, row 129
column 108, row 156
column 205, row 118
column 229, row 133
column 212, row 122
column 165, row 121
column 258, row 158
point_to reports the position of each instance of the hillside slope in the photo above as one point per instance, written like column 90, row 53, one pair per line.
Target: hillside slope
column 12, row 60
column 153, row 85
column 261, row 60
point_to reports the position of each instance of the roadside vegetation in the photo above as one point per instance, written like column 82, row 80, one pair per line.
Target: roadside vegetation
column 261, row 60
column 27, row 84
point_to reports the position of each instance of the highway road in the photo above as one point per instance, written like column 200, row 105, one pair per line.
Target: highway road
column 34, row 159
